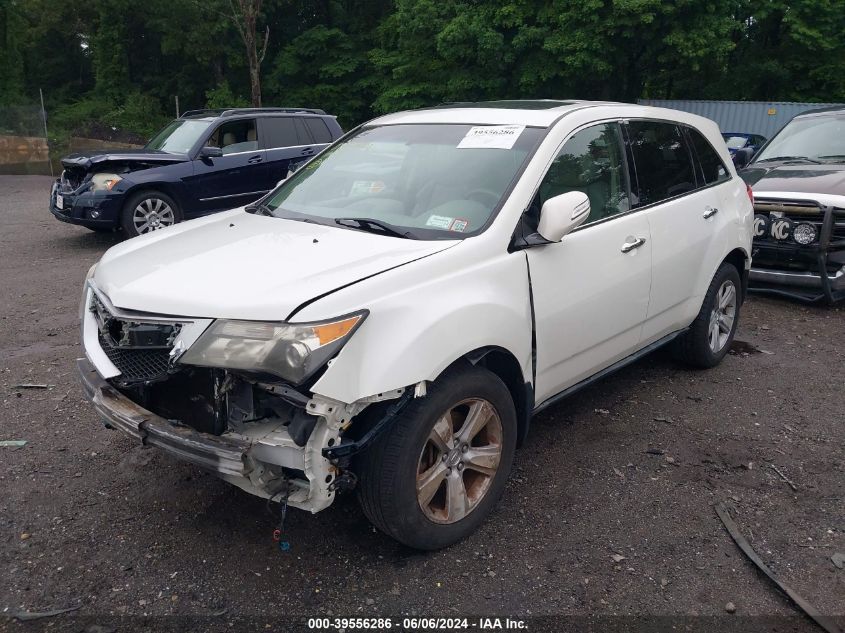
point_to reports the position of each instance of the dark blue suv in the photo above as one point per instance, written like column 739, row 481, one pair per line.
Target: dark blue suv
column 204, row 161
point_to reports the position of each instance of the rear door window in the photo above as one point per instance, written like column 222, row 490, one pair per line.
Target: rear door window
column 712, row 168
column 281, row 132
column 663, row 161
column 319, row 130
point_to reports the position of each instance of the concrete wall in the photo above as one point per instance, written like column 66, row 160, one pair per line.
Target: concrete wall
column 24, row 155
column 754, row 117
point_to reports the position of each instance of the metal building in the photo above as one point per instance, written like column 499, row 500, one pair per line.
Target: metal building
column 754, row 117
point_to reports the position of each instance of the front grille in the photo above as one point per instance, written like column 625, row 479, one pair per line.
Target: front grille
column 801, row 211
column 136, row 365
column 139, row 349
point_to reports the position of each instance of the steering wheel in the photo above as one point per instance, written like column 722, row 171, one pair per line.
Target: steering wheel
column 484, row 196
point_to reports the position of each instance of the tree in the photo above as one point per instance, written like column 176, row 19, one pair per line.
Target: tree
column 245, row 18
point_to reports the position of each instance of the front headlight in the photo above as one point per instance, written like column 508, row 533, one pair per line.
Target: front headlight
column 104, row 182
column 291, row 351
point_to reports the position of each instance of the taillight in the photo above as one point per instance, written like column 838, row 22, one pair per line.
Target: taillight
column 750, row 193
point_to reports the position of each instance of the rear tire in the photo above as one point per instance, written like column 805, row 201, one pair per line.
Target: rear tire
column 431, row 479
column 148, row 211
column 709, row 337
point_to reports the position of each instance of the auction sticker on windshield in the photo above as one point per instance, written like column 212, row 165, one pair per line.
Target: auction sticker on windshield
column 491, row 137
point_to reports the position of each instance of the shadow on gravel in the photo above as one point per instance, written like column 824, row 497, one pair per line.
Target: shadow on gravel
column 89, row 241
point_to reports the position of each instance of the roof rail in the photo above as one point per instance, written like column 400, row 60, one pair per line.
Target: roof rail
column 201, row 112
column 234, row 111
column 223, row 112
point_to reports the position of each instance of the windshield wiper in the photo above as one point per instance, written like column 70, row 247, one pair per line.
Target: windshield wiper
column 833, row 157
column 371, row 225
column 789, row 158
column 259, row 209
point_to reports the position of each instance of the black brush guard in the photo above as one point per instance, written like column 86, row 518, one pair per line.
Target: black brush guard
column 816, row 258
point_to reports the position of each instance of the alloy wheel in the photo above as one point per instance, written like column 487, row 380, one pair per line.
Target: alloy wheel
column 459, row 461
column 152, row 214
column 722, row 317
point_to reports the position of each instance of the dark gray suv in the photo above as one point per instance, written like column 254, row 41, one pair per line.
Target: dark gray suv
column 202, row 162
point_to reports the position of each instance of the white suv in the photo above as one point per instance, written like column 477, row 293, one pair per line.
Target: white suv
column 393, row 314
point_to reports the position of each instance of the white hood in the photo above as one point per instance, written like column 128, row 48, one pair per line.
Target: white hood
column 237, row 265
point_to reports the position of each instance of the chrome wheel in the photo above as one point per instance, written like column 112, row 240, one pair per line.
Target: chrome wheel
column 723, row 316
column 459, row 461
column 152, row 214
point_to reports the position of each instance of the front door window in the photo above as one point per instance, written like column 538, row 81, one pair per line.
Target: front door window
column 235, row 136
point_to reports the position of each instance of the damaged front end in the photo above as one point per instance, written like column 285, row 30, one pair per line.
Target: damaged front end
column 263, row 434
column 91, row 187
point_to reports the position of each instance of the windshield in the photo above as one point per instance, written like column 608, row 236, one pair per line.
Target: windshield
column 818, row 138
column 735, row 142
column 179, row 136
column 433, row 181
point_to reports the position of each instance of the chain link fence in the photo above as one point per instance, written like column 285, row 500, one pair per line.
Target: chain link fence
column 23, row 142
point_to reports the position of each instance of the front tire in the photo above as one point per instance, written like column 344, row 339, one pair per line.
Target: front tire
column 148, row 211
column 433, row 477
column 709, row 337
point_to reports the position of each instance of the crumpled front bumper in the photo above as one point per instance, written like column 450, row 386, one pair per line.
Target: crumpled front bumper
column 215, row 453
column 259, row 459
column 100, row 210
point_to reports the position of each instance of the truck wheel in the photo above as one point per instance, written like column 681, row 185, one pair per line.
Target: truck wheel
column 148, row 211
column 710, row 335
column 436, row 473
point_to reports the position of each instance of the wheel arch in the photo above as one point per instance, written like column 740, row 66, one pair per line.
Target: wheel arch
column 739, row 259
column 504, row 364
column 153, row 187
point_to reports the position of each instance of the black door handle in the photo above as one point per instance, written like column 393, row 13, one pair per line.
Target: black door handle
column 307, row 151
column 255, row 159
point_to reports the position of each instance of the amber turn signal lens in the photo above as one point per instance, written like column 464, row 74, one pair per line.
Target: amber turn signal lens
column 333, row 331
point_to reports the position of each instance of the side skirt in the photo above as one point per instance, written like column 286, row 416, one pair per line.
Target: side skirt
column 648, row 349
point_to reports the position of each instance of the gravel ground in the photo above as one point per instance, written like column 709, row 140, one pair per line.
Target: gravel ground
column 609, row 511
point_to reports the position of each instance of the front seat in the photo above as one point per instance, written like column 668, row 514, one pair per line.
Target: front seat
column 228, row 139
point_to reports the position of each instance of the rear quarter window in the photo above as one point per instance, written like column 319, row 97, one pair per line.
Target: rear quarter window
column 712, row 168
column 319, row 130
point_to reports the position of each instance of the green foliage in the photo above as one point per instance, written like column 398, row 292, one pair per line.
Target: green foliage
column 223, row 97
column 121, row 63
column 139, row 113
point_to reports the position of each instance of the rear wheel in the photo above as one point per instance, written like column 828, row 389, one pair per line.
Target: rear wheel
column 434, row 476
column 709, row 337
column 149, row 211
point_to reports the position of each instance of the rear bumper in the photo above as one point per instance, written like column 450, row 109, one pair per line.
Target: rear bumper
column 92, row 210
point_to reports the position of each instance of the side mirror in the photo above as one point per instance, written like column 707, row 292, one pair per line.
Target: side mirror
column 563, row 213
column 742, row 157
column 211, row 152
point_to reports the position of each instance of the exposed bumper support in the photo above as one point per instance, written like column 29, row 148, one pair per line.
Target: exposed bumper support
column 252, row 459
column 223, row 455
